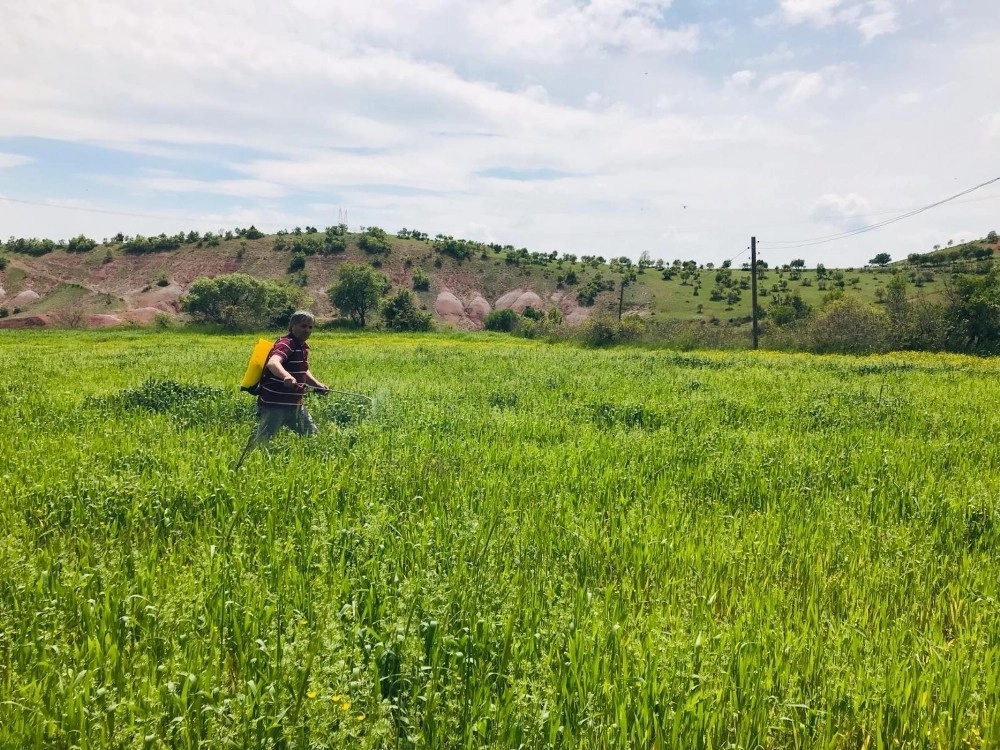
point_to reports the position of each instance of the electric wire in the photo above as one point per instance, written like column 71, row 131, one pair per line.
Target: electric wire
column 809, row 242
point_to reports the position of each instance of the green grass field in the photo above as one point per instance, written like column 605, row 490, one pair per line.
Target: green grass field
column 516, row 545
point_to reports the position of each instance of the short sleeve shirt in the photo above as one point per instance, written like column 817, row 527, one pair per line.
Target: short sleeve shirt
column 294, row 356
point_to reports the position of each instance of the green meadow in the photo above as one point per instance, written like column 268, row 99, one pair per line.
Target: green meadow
column 515, row 544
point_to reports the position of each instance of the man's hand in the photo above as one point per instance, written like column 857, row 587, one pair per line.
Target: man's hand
column 289, row 380
column 322, row 389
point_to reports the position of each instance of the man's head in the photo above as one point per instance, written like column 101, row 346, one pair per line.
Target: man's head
column 300, row 325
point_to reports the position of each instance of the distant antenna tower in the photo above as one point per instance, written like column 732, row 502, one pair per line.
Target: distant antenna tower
column 342, row 216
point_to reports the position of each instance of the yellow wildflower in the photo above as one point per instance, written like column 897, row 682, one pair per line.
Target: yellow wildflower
column 335, row 698
column 346, row 706
column 311, row 693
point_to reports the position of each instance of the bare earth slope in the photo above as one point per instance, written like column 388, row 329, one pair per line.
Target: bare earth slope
column 107, row 286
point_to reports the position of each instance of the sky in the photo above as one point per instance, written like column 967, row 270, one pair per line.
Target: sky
column 680, row 128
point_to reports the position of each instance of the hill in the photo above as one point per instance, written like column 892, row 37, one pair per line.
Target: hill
column 137, row 279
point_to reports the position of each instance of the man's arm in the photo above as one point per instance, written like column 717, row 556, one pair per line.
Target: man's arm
column 277, row 368
column 311, row 380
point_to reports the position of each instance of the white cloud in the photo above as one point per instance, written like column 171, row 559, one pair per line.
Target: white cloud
column 992, row 123
column 559, row 28
column 796, row 86
column 13, row 160
column 392, row 110
column 236, row 188
column 841, row 209
column 872, row 18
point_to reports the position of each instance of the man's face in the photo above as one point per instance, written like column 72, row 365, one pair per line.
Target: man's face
column 302, row 329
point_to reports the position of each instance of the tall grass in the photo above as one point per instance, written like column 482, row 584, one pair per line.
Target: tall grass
column 517, row 544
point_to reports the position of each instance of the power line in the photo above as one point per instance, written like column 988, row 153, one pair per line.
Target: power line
column 794, row 244
column 101, row 210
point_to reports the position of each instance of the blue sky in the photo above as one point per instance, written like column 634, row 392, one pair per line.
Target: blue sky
column 606, row 127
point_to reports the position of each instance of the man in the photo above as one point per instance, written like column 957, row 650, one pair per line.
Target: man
column 286, row 374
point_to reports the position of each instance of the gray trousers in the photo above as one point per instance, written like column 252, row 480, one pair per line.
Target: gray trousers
column 270, row 419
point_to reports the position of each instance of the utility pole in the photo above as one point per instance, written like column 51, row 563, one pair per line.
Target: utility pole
column 621, row 300
column 753, row 289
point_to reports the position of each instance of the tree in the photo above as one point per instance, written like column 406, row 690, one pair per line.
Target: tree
column 880, row 260
column 240, row 301
column 973, row 308
column 797, row 263
column 357, row 291
column 400, row 314
column 991, row 237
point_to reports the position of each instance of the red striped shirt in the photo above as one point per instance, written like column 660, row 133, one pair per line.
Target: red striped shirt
column 294, row 356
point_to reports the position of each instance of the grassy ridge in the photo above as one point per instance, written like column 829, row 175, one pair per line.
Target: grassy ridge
column 517, row 543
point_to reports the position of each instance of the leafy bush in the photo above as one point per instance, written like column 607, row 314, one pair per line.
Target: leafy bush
column 139, row 245
column 501, row 320
column 4, row 312
column 3, row 262
column 80, row 244
column 588, row 292
column 32, row 247
column 533, row 314
column 421, row 281
column 239, row 301
column 375, row 241
column 400, row 314
column 457, row 249
column 334, row 239
column 602, row 330
column 598, row 331
column 297, row 263
column 849, row 326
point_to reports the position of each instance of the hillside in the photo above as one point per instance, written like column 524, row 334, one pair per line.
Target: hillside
column 135, row 280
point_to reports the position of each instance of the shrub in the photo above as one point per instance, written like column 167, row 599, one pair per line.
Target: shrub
column 164, row 321
column 375, row 241
column 602, row 330
column 849, row 326
column 501, row 320
column 30, row 247
column 139, row 245
column 421, row 281
column 4, row 312
column 80, row 244
column 587, row 293
column 598, row 331
column 400, row 314
column 333, row 242
column 163, row 281
column 3, row 262
column 297, row 263
column 240, row 301
column 532, row 314
column 457, row 249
